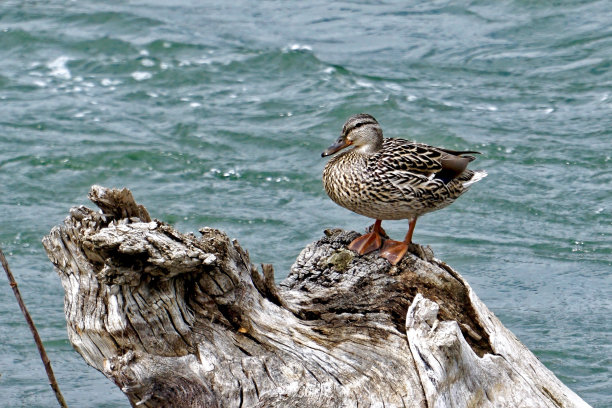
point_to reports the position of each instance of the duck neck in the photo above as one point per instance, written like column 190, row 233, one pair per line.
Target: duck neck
column 370, row 148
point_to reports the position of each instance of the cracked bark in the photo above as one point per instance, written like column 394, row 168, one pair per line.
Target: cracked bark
column 179, row 320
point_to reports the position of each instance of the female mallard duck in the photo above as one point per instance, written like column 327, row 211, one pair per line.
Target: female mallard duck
column 392, row 179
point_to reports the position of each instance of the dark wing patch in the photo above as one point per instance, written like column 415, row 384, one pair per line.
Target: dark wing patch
column 460, row 153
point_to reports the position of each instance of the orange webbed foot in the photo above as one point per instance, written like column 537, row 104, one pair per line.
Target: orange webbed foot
column 393, row 251
column 369, row 242
column 366, row 243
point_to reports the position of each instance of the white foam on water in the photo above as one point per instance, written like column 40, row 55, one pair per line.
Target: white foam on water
column 297, row 47
column 393, row 87
column 141, row 76
column 109, row 82
column 364, row 84
column 59, row 69
column 81, row 114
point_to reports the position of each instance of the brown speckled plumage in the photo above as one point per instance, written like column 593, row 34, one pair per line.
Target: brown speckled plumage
column 400, row 180
column 392, row 179
column 394, row 183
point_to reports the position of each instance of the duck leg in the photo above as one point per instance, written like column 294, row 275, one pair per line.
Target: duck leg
column 368, row 242
column 394, row 251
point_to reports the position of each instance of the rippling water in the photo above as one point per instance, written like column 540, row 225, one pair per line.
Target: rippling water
column 215, row 114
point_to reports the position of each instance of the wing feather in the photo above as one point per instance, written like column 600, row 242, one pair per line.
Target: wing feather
column 402, row 155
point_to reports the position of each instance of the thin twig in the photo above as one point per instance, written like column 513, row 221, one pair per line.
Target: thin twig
column 41, row 348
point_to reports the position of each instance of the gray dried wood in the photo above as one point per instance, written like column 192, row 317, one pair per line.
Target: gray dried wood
column 179, row 320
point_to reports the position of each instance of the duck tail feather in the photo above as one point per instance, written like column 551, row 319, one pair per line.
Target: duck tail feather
column 478, row 175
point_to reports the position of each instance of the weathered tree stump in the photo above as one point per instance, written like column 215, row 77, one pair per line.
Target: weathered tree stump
column 179, row 320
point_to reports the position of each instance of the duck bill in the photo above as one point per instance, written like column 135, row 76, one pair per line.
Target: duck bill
column 340, row 144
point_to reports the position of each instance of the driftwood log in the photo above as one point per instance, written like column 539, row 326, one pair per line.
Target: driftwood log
column 179, row 320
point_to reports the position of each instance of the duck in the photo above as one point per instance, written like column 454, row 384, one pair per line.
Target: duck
column 392, row 179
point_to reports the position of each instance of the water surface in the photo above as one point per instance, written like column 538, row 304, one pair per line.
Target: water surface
column 215, row 114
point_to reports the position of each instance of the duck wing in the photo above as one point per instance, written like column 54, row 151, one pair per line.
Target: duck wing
column 415, row 163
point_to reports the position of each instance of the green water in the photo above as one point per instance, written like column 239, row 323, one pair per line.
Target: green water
column 215, row 114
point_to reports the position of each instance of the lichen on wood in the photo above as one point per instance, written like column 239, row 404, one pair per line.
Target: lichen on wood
column 182, row 320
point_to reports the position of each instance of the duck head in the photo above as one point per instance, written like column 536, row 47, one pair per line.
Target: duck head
column 361, row 131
